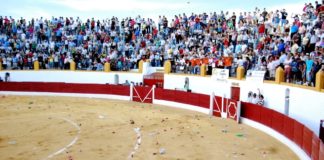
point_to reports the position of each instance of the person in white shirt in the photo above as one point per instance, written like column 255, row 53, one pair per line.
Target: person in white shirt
column 294, row 48
column 4, row 63
column 250, row 97
column 255, row 98
column 240, row 61
column 313, row 40
column 272, row 65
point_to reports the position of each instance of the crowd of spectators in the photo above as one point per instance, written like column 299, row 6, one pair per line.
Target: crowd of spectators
column 257, row 40
column 255, row 98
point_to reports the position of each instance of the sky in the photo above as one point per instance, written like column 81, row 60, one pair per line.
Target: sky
column 146, row 8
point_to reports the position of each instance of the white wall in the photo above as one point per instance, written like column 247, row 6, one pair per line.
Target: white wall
column 72, row 76
column 197, row 84
column 306, row 106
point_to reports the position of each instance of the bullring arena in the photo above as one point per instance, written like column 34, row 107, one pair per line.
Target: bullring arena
column 245, row 85
column 103, row 129
column 64, row 117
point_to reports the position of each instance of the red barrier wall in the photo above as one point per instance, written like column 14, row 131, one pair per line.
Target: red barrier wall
column 307, row 141
column 277, row 122
column 298, row 133
column 266, row 116
column 65, row 88
column 321, row 151
column 251, row 111
column 292, row 129
column 315, row 147
column 195, row 99
column 159, row 93
column 288, row 127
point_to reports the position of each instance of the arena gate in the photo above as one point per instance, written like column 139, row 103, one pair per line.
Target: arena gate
column 225, row 108
column 142, row 94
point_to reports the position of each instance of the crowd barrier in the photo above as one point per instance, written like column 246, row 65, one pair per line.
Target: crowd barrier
column 194, row 99
column 309, row 142
column 65, row 88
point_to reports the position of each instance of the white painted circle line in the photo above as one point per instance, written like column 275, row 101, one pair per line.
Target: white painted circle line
column 71, row 143
column 137, row 144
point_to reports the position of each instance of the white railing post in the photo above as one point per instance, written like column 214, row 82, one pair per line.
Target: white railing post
column 211, row 104
column 131, row 92
column 238, row 111
column 153, row 93
column 223, row 114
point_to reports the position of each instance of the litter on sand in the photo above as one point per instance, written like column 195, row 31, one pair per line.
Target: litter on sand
column 162, row 151
column 12, row 142
column 240, row 135
column 101, row 117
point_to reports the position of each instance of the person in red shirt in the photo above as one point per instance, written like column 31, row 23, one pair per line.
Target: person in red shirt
column 205, row 61
column 228, row 63
column 226, row 42
column 197, row 23
column 260, row 45
column 6, row 21
column 143, row 44
column 176, row 22
column 261, row 29
column 155, row 32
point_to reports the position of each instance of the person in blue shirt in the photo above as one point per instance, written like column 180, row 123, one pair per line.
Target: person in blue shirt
column 293, row 29
column 137, row 33
column 80, row 39
column 309, row 66
column 116, row 40
column 58, row 35
column 48, row 34
column 281, row 46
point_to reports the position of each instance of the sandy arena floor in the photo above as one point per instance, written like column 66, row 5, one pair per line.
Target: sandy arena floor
column 63, row 128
